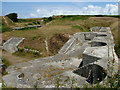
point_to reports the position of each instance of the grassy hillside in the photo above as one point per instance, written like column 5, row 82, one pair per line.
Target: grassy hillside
column 56, row 32
column 7, row 24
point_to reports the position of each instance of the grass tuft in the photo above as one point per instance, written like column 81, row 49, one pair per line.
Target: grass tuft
column 78, row 26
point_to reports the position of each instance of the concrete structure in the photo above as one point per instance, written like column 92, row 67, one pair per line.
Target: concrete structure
column 11, row 44
column 18, row 28
column 37, row 26
column 87, row 58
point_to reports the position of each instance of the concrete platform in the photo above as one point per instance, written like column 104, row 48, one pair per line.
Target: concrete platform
column 86, row 58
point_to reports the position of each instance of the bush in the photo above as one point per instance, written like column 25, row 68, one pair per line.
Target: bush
column 36, row 53
column 34, row 22
column 13, row 17
column 30, row 24
column 38, row 22
column 20, row 49
column 28, row 47
column 46, row 20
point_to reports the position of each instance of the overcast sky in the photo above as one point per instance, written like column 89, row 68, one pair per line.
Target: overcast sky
column 45, row 9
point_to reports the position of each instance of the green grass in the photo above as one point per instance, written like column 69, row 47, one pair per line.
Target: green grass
column 5, row 62
column 0, row 78
column 35, row 37
column 88, row 30
column 30, row 23
column 26, row 20
column 67, row 25
column 74, row 17
column 79, row 17
column 115, row 16
column 23, row 53
column 28, row 47
column 5, row 28
column 78, row 26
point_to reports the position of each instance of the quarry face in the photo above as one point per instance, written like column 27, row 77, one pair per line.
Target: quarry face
column 84, row 59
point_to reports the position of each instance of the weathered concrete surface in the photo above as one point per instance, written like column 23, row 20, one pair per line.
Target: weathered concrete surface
column 37, row 26
column 18, row 28
column 11, row 44
column 82, row 58
column 102, row 54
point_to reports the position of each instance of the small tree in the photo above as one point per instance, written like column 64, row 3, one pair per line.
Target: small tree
column 13, row 17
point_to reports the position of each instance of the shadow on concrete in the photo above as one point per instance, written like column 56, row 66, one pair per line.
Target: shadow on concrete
column 94, row 73
column 98, row 44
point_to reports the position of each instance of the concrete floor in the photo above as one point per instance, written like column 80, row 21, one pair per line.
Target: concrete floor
column 51, row 71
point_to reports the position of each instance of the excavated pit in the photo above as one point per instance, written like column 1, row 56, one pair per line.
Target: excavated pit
column 98, row 44
column 94, row 73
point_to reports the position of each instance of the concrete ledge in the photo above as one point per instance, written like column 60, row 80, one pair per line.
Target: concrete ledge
column 12, row 43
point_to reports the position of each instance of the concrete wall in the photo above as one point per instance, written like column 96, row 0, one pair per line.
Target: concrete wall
column 92, row 72
column 77, row 38
column 11, row 44
column 96, row 57
column 87, row 59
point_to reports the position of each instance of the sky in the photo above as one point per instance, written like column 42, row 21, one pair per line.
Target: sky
column 45, row 9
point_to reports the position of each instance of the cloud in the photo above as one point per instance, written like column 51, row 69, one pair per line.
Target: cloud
column 109, row 9
column 33, row 15
column 91, row 10
column 60, row 0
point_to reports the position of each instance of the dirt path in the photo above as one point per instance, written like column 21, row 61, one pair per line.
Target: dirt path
column 12, row 58
column 5, row 21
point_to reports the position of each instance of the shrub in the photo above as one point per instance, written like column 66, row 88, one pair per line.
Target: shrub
column 5, row 62
column 34, row 22
column 36, row 53
column 20, row 49
column 30, row 24
column 13, row 17
column 27, row 47
column 38, row 22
